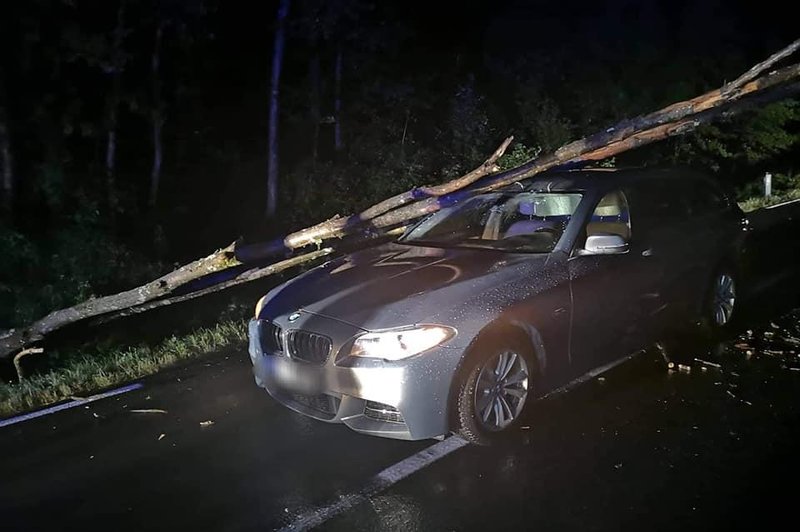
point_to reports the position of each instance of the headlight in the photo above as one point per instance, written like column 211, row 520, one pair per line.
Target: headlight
column 397, row 344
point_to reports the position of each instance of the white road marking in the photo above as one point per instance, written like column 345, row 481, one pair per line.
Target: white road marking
column 380, row 482
column 70, row 404
column 393, row 474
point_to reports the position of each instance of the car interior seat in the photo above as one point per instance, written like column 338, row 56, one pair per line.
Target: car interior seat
column 610, row 217
column 526, row 226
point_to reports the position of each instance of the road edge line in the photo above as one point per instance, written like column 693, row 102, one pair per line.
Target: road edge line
column 70, row 404
column 380, row 482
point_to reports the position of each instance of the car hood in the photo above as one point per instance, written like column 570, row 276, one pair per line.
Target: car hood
column 395, row 285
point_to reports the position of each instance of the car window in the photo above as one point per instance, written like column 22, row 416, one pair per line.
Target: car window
column 704, row 198
column 611, row 216
column 525, row 222
column 659, row 203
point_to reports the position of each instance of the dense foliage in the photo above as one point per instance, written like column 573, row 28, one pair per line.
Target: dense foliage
column 423, row 98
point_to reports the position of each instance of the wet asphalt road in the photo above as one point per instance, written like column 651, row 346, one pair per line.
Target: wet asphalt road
column 641, row 447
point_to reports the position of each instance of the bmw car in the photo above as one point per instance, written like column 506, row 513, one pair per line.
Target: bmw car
column 505, row 296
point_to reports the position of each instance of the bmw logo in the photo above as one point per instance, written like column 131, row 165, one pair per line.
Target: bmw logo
column 293, row 316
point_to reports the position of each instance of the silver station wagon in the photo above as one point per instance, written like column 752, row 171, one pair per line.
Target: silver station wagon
column 498, row 299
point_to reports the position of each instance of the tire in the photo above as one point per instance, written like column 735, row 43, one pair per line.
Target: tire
column 482, row 397
column 722, row 301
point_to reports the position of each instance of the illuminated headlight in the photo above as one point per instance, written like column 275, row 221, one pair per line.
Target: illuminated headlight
column 397, row 344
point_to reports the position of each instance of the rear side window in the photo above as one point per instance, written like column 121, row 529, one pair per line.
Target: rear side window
column 704, row 198
column 660, row 201
column 611, row 216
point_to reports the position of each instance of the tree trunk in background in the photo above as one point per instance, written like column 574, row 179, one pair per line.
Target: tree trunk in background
column 157, row 116
column 403, row 139
column 6, row 157
column 315, row 105
column 6, row 163
column 274, row 107
column 112, row 108
column 337, row 102
column 111, row 150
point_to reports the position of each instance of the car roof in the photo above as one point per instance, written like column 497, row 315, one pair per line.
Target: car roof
column 599, row 178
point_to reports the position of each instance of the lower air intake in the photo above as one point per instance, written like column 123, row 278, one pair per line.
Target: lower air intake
column 382, row 412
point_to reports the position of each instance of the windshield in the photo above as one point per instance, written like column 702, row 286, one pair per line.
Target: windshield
column 523, row 222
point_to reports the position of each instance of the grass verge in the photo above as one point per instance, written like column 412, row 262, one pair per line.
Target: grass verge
column 98, row 369
column 752, row 204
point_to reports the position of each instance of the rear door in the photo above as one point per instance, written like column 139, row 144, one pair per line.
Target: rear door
column 673, row 246
column 713, row 232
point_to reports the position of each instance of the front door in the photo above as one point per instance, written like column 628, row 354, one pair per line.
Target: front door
column 610, row 293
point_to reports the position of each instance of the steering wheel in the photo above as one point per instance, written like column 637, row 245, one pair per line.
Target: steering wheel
column 550, row 230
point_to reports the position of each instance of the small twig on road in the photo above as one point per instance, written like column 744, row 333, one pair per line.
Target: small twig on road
column 707, row 363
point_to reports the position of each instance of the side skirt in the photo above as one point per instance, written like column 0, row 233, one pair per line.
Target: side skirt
column 590, row 375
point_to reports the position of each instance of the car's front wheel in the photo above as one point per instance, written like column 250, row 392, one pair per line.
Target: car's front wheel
column 497, row 387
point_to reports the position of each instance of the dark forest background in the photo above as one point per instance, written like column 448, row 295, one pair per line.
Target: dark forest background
column 133, row 133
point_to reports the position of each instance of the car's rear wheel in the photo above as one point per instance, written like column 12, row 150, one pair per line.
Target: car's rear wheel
column 497, row 386
column 722, row 300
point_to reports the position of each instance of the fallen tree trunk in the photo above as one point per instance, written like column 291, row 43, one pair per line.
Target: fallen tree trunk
column 246, row 277
column 16, row 339
column 675, row 119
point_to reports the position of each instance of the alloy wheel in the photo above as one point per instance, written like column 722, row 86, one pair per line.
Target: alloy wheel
column 501, row 390
column 724, row 299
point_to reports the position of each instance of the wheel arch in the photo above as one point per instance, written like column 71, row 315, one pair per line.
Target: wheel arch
column 492, row 333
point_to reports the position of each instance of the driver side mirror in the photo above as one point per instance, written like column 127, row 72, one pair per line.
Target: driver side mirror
column 605, row 244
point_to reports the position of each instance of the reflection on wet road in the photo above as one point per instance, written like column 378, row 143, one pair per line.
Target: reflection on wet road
column 708, row 447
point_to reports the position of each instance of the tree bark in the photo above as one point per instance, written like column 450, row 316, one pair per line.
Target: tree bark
column 274, row 108
column 157, row 115
column 337, row 102
column 673, row 120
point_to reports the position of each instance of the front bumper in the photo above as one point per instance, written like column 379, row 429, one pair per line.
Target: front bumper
column 402, row 400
